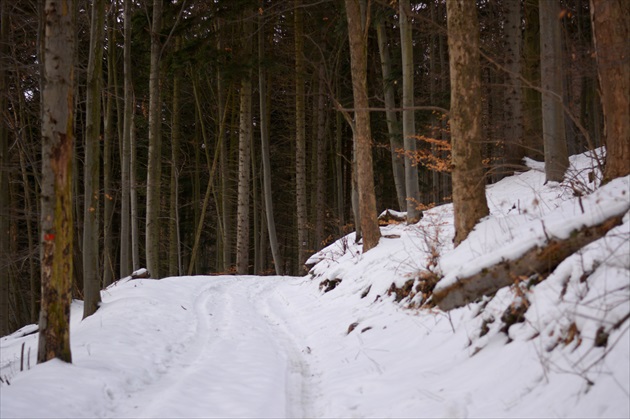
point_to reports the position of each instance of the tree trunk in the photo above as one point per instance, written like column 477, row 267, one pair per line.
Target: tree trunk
column 320, row 166
column 300, row 138
column 551, row 73
column 532, row 107
column 133, row 192
column 5, row 219
column 469, row 193
column 264, row 140
column 514, row 93
column 357, row 34
column 174, row 258
column 408, row 121
column 393, row 128
column 56, row 183
column 244, row 153
column 108, row 140
column 539, row 260
column 152, row 239
column 91, row 212
column 611, row 28
column 125, row 165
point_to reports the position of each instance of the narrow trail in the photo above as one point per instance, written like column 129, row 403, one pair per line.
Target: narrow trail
column 240, row 349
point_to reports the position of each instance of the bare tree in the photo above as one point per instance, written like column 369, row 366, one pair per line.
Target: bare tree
column 244, row 152
column 409, row 126
column 125, row 165
column 5, row 221
column 393, row 129
column 56, row 182
column 469, row 192
column 554, row 136
column 264, row 140
column 357, row 34
column 300, row 136
column 154, row 168
column 91, row 213
column 611, row 27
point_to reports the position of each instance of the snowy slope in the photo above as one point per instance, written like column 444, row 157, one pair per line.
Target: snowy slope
column 281, row 347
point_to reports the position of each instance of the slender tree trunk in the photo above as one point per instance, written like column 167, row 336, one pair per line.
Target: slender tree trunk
column 357, row 33
column 339, row 175
column 133, row 192
column 174, row 260
column 408, row 121
column 551, row 73
column 300, row 137
column 320, row 153
column 244, row 154
column 514, row 93
column 152, row 239
column 469, row 193
column 91, row 212
column 264, row 140
column 5, row 218
column 56, row 183
column 126, row 266
column 611, row 27
column 108, row 139
column 393, row 128
column 532, row 105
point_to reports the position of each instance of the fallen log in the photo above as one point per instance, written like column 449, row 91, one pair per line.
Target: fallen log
column 540, row 260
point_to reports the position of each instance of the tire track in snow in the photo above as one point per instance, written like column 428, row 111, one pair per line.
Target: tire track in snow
column 241, row 361
column 299, row 385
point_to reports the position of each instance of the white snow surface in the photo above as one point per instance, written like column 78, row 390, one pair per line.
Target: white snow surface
column 246, row 346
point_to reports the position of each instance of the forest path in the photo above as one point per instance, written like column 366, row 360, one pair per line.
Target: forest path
column 241, row 349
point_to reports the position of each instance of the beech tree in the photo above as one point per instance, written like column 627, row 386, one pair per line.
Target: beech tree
column 300, row 136
column 125, row 164
column 611, row 29
column 357, row 34
column 409, row 126
column 469, row 188
column 244, row 150
column 554, row 135
column 91, row 213
column 56, row 182
column 155, row 143
column 4, row 180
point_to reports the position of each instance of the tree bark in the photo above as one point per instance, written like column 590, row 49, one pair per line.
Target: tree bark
column 244, row 153
column 322, row 158
column 264, row 140
column 408, row 121
column 357, row 34
column 174, row 256
column 551, row 73
column 108, row 140
column 300, row 138
column 535, row 261
column 514, row 95
column 91, row 211
column 56, row 183
column 532, row 105
column 611, row 29
column 393, row 128
column 469, row 193
column 152, row 243
column 126, row 266
column 5, row 219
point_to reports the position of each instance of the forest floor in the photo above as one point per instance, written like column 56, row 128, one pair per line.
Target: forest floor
column 247, row 346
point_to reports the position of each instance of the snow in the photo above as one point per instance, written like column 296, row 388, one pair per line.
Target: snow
column 246, row 346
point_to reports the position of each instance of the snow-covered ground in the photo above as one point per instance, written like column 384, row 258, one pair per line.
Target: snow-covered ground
column 210, row 346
